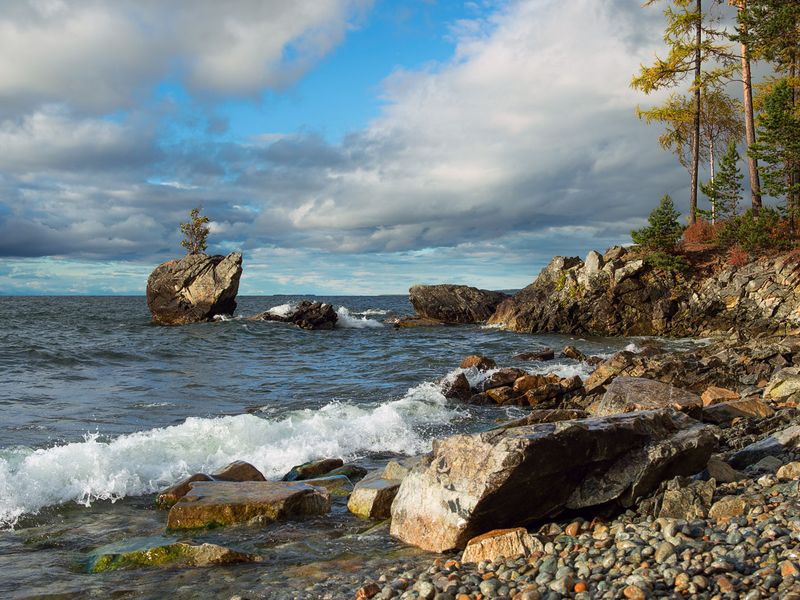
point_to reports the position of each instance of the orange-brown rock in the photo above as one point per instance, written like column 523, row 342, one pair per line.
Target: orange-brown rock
column 502, row 395
column 501, row 542
column 715, row 395
column 502, row 377
column 725, row 412
column 238, row 470
column 220, row 503
column 482, row 363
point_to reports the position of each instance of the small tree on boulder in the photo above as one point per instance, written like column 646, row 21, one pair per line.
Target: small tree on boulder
column 663, row 232
column 195, row 232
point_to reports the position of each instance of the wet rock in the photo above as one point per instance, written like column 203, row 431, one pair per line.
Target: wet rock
column 686, row 499
column 714, row 395
column 169, row 496
column 315, row 468
column 352, row 472
column 473, row 483
column 540, row 355
column 373, row 496
column 220, row 503
column 457, row 387
column 236, row 471
column 306, row 314
column 507, row 543
column 415, row 321
column 369, row 590
column 502, row 395
column 502, row 377
column 476, row 361
column 194, row 288
column 573, row 353
column 337, row 485
column 457, row 304
column 161, row 552
column 725, row 412
column 629, row 394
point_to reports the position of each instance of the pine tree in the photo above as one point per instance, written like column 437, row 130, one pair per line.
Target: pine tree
column 725, row 190
column 778, row 146
column 195, row 232
column 689, row 49
column 663, row 231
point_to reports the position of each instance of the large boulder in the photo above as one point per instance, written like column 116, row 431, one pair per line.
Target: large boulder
column 306, row 314
column 459, row 304
column 220, row 503
column 194, row 289
column 630, row 394
column 473, row 483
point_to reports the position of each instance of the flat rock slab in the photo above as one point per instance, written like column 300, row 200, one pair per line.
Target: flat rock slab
column 725, row 412
column 238, row 470
column 629, row 394
column 220, row 503
column 473, row 483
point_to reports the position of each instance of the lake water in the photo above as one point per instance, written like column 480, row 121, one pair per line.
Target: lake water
column 99, row 409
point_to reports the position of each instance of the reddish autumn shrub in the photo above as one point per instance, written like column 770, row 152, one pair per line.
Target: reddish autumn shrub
column 738, row 256
column 702, row 232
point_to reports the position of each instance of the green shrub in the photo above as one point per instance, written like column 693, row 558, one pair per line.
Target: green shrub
column 667, row 262
column 752, row 232
column 663, row 231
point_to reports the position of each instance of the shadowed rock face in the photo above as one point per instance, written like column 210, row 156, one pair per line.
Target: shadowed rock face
column 454, row 304
column 474, row 483
column 194, row 288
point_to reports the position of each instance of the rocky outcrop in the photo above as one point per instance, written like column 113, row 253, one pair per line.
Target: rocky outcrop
column 619, row 294
column 194, row 289
column 454, row 304
column 503, row 478
column 217, row 503
column 306, row 314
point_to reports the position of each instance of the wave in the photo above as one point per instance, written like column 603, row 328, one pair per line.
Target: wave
column 282, row 310
column 145, row 462
column 347, row 321
column 372, row 311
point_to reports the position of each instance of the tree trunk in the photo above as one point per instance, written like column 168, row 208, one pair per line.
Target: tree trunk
column 712, row 170
column 696, row 138
column 749, row 120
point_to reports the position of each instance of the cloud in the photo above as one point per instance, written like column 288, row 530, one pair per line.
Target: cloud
column 522, row 145
column 99, row 57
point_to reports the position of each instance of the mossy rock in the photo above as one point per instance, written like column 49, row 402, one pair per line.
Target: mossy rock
column 158, row 551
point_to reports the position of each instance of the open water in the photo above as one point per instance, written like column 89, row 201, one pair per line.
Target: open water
column 99, row 409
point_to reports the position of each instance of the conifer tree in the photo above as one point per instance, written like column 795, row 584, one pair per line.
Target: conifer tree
column 663, row 231
column 778, row 146
column 691, row 42
column 195, row 232
column 725, row 190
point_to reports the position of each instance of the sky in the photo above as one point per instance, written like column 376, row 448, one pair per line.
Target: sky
column 344, row 146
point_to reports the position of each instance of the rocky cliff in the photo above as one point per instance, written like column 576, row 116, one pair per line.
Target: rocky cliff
column 620, row 294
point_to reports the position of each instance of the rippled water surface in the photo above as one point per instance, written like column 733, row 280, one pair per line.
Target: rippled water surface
column 99, row 409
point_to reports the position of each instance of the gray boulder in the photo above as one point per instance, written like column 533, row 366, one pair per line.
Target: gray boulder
column 306, row 314
column 473, row 483
column 194, row 289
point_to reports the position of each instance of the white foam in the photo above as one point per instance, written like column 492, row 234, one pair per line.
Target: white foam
column 632, row 347
column 348, row 321
column 372, row 311
column 282, row 310
column 147, row 461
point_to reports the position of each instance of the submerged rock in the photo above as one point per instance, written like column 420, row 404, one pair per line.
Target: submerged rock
column 315, row 468
column 194, row 288
column 473, row 483
column 306, row 314
column 220, row 503
column 161, row 552
column 455, row 304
